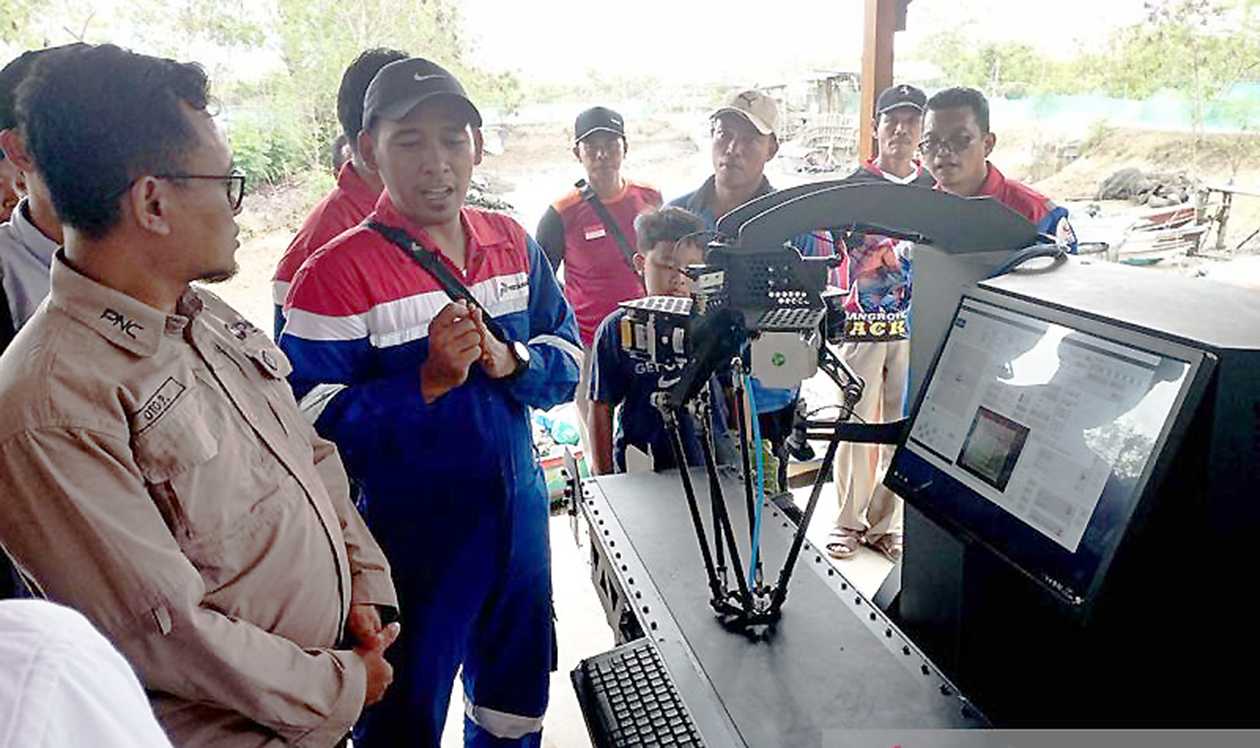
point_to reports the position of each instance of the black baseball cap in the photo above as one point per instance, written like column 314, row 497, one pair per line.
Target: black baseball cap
column 598, row 119
column 403, row 85
column 896, row 97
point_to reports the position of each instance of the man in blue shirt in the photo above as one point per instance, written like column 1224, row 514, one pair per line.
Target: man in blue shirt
column 668, row 240
column 744, row 141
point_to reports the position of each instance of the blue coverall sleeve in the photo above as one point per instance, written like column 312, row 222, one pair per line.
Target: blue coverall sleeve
column 555, row 353
column 1058, row 228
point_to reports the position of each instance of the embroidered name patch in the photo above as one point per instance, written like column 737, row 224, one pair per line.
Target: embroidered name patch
column 158, row 404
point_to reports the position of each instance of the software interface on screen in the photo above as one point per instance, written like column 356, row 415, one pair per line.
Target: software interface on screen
column 1044, row 421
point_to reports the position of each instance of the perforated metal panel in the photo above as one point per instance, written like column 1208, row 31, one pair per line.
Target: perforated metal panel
column 798, row 318
column 666, row 304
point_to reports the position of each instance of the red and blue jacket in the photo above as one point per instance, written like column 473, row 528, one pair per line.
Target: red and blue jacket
column 342, row 208
column 1050, row 219
column 356, row 331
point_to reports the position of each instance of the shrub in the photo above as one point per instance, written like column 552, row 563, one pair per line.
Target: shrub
column 268, row 149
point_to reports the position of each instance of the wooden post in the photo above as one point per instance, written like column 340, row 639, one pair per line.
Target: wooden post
column 877, row 65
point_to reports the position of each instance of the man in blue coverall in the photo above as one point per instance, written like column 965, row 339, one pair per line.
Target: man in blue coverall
column 431, row 413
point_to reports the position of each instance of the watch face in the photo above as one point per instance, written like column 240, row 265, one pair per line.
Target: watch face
column 521, row 351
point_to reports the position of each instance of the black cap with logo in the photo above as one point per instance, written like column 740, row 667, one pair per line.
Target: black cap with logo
column 896, row 97
column 403, row 85
column 598, row 119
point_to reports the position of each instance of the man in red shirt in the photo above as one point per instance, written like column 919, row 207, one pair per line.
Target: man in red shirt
column 358, row 186
column 598, row 272
column 956, row 146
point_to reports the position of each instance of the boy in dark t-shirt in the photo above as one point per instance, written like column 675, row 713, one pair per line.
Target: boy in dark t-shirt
column 667, row 240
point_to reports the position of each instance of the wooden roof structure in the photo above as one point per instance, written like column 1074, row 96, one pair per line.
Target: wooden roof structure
column 883, row 19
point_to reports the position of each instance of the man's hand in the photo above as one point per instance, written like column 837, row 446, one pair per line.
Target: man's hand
column 496, row 358
column 364, row 625
column 454, row 344
column 380, row 674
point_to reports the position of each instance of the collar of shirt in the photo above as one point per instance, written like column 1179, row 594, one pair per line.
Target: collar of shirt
column 621, row 194
column 873, row 168
column 994, row 184
column 356, row 189
column 701, row 202
column 117, row 317
column 29, row 235
column 479, row 233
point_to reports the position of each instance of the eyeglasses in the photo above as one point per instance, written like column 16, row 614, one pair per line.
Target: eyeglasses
column 955, row 144
column 235, row 183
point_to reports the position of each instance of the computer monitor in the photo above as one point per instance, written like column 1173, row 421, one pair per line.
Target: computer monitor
column 1039, row 431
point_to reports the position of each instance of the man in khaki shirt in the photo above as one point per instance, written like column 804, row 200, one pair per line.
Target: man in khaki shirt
column 155, row 473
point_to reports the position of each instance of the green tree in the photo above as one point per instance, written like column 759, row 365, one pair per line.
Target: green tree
column 317, row 39
column 1196, row 47
column 180, row 28
column 1002, row 68
column 15, row 19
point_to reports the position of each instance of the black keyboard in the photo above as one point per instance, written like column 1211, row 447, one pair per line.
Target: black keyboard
column 629, row 699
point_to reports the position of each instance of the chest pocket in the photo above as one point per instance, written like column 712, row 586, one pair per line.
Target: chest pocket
column 175, row 431
column 201, row 471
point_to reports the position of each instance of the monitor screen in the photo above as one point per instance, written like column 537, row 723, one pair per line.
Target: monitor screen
column 1044, row 432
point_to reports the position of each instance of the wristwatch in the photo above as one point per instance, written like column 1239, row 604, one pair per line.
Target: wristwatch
column 520, row 352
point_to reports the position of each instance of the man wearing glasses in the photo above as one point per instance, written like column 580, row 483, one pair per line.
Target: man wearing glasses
column 598, row 272
column 156, row 472
column 956, row 146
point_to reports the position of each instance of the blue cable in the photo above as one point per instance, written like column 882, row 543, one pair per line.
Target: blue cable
column 761, row 481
